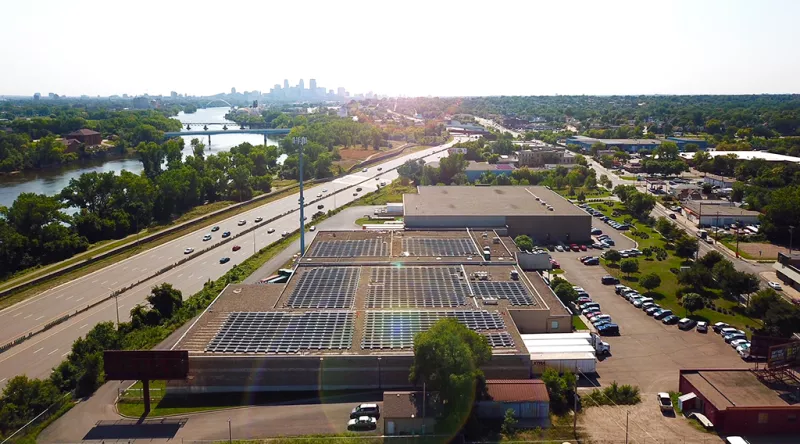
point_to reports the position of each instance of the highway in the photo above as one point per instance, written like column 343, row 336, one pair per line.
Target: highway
column 38, row 355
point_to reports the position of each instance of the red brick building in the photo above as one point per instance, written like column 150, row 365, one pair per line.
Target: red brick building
column 86, row 136
column 740, row 402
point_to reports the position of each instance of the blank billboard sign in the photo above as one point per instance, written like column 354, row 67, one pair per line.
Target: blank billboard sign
column 786, row 354
column 124, row 365
column 760, row 345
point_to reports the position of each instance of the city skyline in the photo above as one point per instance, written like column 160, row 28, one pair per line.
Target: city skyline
column 539, row 48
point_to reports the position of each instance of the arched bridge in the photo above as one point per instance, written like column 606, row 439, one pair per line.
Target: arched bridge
column 219, row 100
column 265, row 131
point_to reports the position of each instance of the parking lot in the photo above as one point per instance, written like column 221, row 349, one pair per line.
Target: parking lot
column 647, row 353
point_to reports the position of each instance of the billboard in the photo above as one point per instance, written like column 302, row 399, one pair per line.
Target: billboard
column 786, row 354
column 760, row 345
column 124, row 365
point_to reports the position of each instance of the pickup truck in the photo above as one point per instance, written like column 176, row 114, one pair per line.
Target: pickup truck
column 664, row 402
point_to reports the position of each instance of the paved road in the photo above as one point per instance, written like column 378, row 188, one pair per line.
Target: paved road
column 497, row 126
column 38, row 355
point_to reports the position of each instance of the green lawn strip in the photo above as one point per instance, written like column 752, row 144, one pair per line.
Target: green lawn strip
column 342, row 438
column 392, row 192
column 666, row 294
column 557, row 271
column 368, row 221
column 578, row 324
column 75, row 274
column 675, row 405
column 628, row 177
column 590, row 194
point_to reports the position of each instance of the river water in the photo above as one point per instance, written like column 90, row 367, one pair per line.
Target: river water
column 50, row 181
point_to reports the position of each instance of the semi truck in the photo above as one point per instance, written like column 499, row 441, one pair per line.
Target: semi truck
column 567, row 339
column 577, row 363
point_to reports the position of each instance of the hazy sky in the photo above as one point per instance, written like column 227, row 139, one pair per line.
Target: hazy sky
column 431, row 47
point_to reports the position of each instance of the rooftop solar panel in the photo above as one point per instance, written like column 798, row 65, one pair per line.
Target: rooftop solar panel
column 417, row 287
column 396, row 329
column 283, row 332
column 326, row 287
column 514, row 291
column 423, row 246
column 348, row 248
column 500, row 340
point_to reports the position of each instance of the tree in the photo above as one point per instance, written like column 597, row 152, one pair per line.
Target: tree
column 782, row 320
column 165, row 299
column 710, row 259
column 22, row 399
column 613, row 256
column 695, row 277
column 686, row 246
column 692, row 302
column 447, row 358
column 650, row 281
column 629, row 266
column 558, row 387
column 524, row 242
column 565, row 292
column 509, row 422
column 762, row 301
column 581, row 196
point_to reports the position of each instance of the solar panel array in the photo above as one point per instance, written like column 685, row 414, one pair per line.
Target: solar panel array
column 348, row 248
column 514, row 291
column 325, row 287
column 423, row 246
column 396, row 329
column 500, row 340
column 283, row 332
column 422, row 287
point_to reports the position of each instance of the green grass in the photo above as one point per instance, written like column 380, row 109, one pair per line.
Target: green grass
column 590, row 194
column 392, row 192
column 367, row 220
column 578, row 324
column 675, row 405
column 628, row 177
column 666, row 294
column 557, row 271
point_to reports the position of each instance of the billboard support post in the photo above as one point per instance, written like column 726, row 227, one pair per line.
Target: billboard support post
column 146, row 393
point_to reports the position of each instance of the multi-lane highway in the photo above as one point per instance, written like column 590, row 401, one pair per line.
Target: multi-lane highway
column 38, row 355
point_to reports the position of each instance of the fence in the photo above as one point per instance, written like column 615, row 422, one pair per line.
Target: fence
column 39, row 419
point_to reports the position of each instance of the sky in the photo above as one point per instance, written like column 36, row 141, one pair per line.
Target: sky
column 410, row 48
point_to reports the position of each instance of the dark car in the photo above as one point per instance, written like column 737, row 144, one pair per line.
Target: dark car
column 358, row 189
column 236, row 248
column 592, row 261
column 583, row 247
column 652, row 310
column 609, row 280
column 609, row 329
column 671, row 319
column 320, row 206
column 596, row 231
column 719, row 326
column 662, row 314
column 215, row 229
column 258, row 219
column 226, row 234
column 224, row 260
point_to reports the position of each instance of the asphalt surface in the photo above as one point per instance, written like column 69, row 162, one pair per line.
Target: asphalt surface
column 37, row 356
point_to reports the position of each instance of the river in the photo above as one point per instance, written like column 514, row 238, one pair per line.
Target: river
column 51, row 181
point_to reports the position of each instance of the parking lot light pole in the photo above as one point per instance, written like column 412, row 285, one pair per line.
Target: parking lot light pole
column 230, row 433
column 791, row 235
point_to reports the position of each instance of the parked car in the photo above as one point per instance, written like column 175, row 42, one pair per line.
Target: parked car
column 583, row 247
column 662, row 314
column 599, row 318
column 241, row 222
column 618, row 288
column 609, row 280
column 608, row 329
column 215, row 228
column 598, row 246
column 651, row 311
column 686, row 324
column 593, row 314
column 361, row 410
column 189, row 250
column 671, row 319
column 596, row 231
column 586, row 311
column 236, row 248
column 592, row 261
column 362, row 423
column 575, row 247
column 589, row 304
column 718, row 326
column 638, row 302
column 664, row 402
column 646, row 305
column 737, row 342
column 559, row 248
column 554, row 263
column 733, row 336
column 728, row 330
column 775, row 286
column 224, row 260
column 226, row 234
column 702, row 327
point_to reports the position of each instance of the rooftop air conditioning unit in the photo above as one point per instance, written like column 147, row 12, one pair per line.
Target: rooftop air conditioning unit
column 490, row 301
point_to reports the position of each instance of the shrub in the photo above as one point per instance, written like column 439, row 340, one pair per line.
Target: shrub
column 614, row 394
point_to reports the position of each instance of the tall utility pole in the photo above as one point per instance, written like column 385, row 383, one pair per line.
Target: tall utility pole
column 626, row 426
column 301, row 141
column 791, row 236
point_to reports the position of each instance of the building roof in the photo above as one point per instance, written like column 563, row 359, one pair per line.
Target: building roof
column 585, row 139
column 749, row 155
column 487, row 201
column 406, row 405
column 484, row 166
column 732, row 388
column 83, row 132
column 723, row 210
column 517, row 390
column 686, row 139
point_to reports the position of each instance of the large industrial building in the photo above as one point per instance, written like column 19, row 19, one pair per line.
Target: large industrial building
column 347, row 317
column 513, row 210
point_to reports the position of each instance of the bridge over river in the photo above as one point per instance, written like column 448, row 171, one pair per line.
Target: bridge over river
column 265, row 131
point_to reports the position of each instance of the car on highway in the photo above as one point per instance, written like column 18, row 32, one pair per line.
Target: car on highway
column 312, row 228
column 215, row 228
column 189, row 250
column 362, row 423
column 258, row 219
column 672, row 215
column 207, row 237
column 775, row 286
column 358, row 189
column 319, row 195
column 325, row 190
column 270, row 230
column 671, row 319
column 236, row 248
column 702, row 327
column 224, row 260
column 364, row 170
column 380, row 168
column 355, row 194
column 284, row 234
column 226, row 234
column 241, row 222
column 320, row 206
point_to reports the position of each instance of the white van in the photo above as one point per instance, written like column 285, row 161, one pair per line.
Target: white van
column 736, row 440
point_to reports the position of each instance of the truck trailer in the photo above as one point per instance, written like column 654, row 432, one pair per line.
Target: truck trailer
column 575, row 362
column 567, row 340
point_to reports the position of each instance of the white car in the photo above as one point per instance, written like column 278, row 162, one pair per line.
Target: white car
column 312, row 228
column 258, row 219
column 364, row 170
column 325, row 191
column 242, row 222
column 207, row 237
column 737, row 342
column 559, row 248
column 362, row 423
column 284, row 234
column 775, row 286
column 189, row 250
column 271, row 230
column 702, row 326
